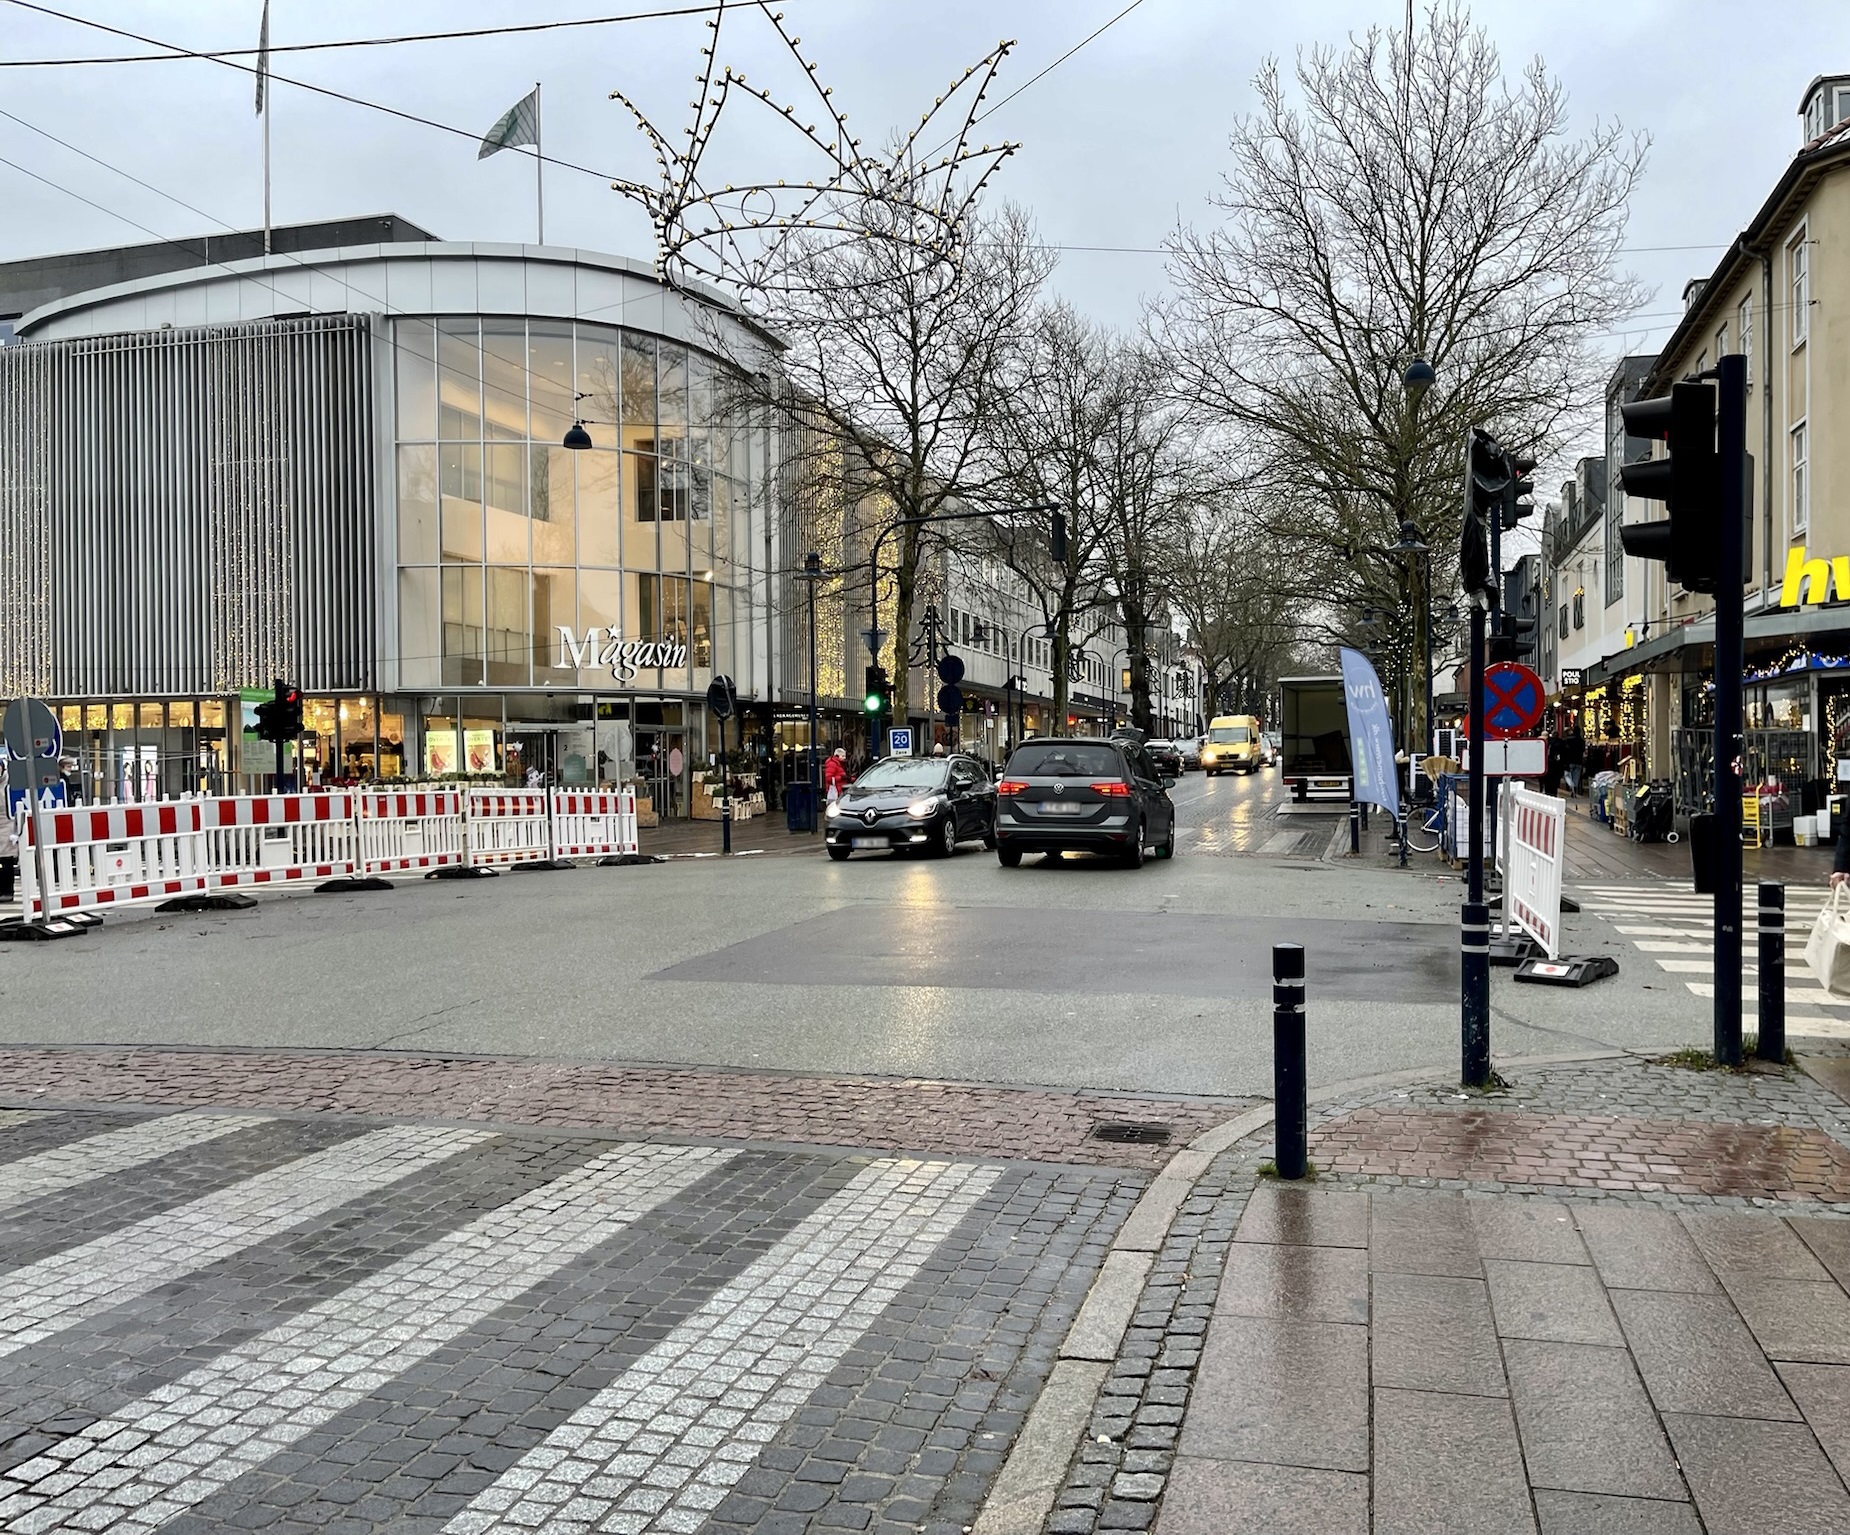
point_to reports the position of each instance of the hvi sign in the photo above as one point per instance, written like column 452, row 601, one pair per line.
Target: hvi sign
column 1818, row 580
column 625, row 658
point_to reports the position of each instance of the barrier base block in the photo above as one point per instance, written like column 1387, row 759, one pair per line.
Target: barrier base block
column 463, row 871
column 541, row 864
column 1514, row 950
column 18, row 930
column 1568, row 970
column 1568, row 903
column 627, row 860
column 222, row 900
column 345, row 885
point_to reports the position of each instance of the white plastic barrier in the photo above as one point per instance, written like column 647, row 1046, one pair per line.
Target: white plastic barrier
column 593, row 823
column 280, row 839
column 113, row 856
column 508, row 826
column 1532, row 883
column 410, row 831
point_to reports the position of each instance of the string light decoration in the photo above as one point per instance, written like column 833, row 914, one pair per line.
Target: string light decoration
column 735, row 237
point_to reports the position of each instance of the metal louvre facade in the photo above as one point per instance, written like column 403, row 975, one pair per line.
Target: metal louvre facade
column 188, row 511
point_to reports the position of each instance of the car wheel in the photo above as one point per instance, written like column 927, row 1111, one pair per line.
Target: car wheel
column 839, row 854
column 1167, row 848
column 1133, row 855
column 947, row 837
column 1009, row 857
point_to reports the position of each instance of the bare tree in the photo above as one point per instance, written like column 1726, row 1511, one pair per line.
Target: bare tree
column 1222, row 578
column 1410, row 201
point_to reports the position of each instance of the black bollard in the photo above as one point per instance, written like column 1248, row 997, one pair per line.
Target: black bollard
column 1290, row 1088
column 1355, row 826
column 1772, row 1044
column 1474, row 973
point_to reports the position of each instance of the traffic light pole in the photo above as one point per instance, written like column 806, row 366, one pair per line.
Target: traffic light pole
column 1474, row 921
column 1731, row 471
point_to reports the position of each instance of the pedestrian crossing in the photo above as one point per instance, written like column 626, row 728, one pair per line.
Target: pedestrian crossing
column 1673, row 926
column 642, row 1409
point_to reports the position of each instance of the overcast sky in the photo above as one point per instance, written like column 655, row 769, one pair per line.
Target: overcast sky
column 1119, row 141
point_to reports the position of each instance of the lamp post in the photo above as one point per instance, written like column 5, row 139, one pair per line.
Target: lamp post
column 1419, row 377
column 812, row 573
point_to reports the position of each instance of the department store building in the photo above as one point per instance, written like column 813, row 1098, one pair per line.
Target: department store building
column 344, row 464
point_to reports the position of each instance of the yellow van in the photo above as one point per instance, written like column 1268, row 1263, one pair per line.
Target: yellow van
column 1232, row 745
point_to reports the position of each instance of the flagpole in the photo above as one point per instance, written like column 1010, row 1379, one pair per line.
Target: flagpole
column 266, row 178
column 263, row 111
column 539, row 167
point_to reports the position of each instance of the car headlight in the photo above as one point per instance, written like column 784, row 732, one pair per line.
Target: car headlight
column 834, row 808
column 920, row 808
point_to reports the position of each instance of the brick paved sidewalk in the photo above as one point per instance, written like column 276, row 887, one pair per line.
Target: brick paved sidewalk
column 1615, row 1297
column 955, row 1118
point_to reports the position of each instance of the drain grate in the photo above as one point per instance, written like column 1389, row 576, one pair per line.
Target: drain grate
column 1126, row 1132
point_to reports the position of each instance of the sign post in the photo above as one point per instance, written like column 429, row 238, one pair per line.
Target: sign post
column 723, row 700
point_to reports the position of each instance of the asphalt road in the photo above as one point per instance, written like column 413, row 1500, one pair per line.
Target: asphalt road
column 1072, row 974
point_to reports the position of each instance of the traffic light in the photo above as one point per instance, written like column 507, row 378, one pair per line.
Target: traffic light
column 1056, row 541
column 1687, row 482
column 1515, row 637
column 1515, row 507
column 874, row 701
column 1487, row 477
column 279, row 719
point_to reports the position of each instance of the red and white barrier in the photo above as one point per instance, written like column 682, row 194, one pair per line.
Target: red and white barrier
column 508, row 826
column 593, row 823
column 280, row 839
column 411, row 831
column 114, row 855
column 1532, row 876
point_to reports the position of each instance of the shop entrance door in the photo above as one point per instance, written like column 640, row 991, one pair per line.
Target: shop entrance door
column 662, row 765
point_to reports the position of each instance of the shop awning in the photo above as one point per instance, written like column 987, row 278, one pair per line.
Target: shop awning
column 1769, row 624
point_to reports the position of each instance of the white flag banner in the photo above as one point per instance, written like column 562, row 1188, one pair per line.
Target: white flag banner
column 263, row 57
column 520, row 124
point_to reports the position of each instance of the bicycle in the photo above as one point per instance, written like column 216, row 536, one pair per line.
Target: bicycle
column 1423, row 826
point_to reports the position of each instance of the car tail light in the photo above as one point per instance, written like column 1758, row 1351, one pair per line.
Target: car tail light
column 1112, row 790
column 1011, row 786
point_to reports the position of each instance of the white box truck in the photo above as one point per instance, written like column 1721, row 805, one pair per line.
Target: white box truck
column 1314, row 738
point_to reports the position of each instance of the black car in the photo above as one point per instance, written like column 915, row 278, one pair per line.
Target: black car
column 1167, row 756
column 914, row 804
column 1083, row 796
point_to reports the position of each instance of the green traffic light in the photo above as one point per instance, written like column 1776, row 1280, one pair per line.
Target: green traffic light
column 871, row 703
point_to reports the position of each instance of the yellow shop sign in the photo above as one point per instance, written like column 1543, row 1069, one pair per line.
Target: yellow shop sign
column 1820, row 580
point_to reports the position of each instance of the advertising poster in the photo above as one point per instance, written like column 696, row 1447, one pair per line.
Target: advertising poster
column 439, row 753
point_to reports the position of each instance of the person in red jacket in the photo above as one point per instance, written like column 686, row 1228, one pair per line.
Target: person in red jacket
column 835, row 773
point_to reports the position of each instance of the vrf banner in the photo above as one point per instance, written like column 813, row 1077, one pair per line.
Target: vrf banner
column 1371, row 734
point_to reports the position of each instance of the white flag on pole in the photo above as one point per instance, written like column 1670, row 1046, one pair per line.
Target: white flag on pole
column 263, row 57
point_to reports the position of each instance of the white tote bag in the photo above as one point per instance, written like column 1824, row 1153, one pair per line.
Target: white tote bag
column 1827, row 951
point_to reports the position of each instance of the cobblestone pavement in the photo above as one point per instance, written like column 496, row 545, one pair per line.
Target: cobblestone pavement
column 1307, row 1366
column 317, row 1324
column 882, row 1113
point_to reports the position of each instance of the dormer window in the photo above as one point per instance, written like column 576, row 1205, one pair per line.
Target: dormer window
column 1827, row 103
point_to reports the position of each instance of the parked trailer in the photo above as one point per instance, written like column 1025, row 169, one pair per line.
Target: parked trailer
column 1314, row 738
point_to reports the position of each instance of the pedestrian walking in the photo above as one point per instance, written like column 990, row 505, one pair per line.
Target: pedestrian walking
column 835, row 774
column 1840, row 860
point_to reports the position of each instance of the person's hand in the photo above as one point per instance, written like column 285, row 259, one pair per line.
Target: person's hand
column 1838, row 879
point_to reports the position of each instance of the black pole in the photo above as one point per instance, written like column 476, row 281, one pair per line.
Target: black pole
column 815, row 810
column 1290, row 1088
column 725, row 790
column 1771, row 1045
column 1474, row 921
column 1355, row 826
column 1731, row 467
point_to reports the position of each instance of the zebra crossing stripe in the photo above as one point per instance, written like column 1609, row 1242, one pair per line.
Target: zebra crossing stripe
column 659, row 1448
column 114, row 1151
column 46, row 1297
column 132, row 1472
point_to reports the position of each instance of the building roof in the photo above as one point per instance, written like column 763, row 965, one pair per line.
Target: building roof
column 38, row 280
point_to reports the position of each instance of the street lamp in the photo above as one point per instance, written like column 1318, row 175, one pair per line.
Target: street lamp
column 1416, row 380
column 576, row 437
column 812, row 573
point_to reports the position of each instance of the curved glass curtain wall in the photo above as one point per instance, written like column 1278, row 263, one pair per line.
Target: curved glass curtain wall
column 505, row 537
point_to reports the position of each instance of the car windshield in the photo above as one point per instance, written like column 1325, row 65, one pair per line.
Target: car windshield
column 902, row 773
column 1228, row 735
column 1065, row 759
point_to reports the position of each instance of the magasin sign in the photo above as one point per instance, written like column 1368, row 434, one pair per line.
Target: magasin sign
column 625, row 658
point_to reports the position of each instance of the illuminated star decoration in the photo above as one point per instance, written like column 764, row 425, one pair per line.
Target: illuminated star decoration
column 918, row 196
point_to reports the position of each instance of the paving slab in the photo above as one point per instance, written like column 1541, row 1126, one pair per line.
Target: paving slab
column 1796, row 1319
column 1587, row 1425
column 1584, row 1513
column 1752, row 1247
column 1639, row 1249
column 1697, row 1355
column 1435, row 1333
column 1829, row 1241
column 1311, row 1284
column 1221, row 1497
column 1282, row 1213
column 1553, row 1302
column 1422, row 1233
column 1757, row 1478
column 1529, row 1231
column 1822, row 1392
column 1447, row 1463
column 1287, row 1393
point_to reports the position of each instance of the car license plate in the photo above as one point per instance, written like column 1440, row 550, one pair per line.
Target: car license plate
column 871, row 842
column 1061, row 807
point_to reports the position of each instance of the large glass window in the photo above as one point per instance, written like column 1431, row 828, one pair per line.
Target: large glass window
column 510, row 640
column 504, row 489
column 416, row 362
column 460, row 487
column 504, row 379
column 419, row 628
column 600, row 371
column 554, row 506
column 551, row 379
column 417, row 503
column 459, row 381
column 554, row 603
column 462, row 625
column 599, row 515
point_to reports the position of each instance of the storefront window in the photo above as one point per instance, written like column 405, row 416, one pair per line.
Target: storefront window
column 212, row 714
column 462, row 625
column 70, row 717
column 508, row 638
column 122, row 716
column 553, row 605
column 150, row 717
